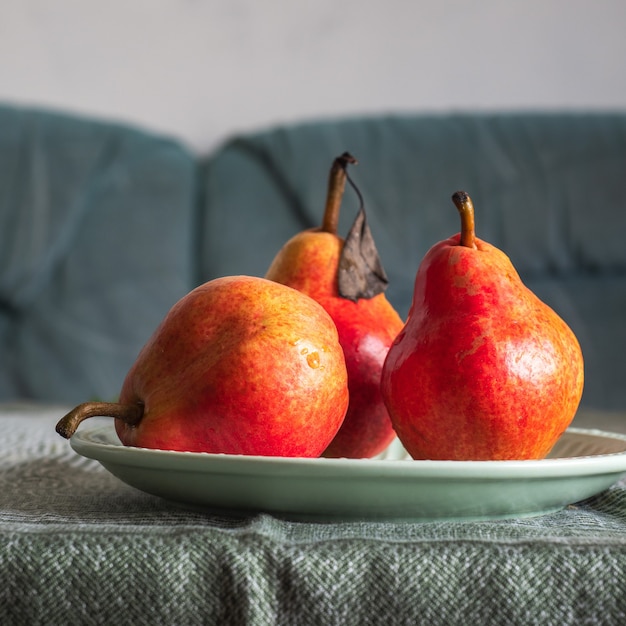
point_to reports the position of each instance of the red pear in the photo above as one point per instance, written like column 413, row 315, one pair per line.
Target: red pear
column 240, row 365
column 346, row 278
column 483, row 369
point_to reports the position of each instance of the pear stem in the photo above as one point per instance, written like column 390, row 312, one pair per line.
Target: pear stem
column 464, row 204
column 336, row 186
column 129, row 413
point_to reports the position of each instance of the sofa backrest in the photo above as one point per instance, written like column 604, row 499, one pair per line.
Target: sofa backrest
column 103, row 227
column 548, row 190
column 95, row 239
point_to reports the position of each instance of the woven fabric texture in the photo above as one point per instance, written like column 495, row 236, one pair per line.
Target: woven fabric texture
column 77, row 546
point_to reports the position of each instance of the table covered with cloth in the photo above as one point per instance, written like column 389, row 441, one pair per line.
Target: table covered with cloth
column 78, row 546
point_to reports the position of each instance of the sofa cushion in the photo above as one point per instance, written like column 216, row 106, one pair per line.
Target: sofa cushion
column 547, row 190
column 95, row 246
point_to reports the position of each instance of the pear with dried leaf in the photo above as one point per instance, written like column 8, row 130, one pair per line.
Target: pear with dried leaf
column 348, row 280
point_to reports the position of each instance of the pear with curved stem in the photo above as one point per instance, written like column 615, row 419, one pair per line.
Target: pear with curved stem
column 240, row 365
column 483, row 369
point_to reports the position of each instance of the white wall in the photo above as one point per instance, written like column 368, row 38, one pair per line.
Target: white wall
column 201, row 70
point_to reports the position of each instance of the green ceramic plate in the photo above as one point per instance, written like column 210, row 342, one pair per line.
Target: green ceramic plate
column 390, row 487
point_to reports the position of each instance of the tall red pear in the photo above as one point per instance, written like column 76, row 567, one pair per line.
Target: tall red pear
column 347, row 279
column 240, row 365
column 483, row 369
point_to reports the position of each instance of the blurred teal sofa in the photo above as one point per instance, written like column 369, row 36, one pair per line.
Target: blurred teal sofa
column 95, row 229
column 103, row 227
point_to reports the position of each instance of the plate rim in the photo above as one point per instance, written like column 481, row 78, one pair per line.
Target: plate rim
column 115, row 452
